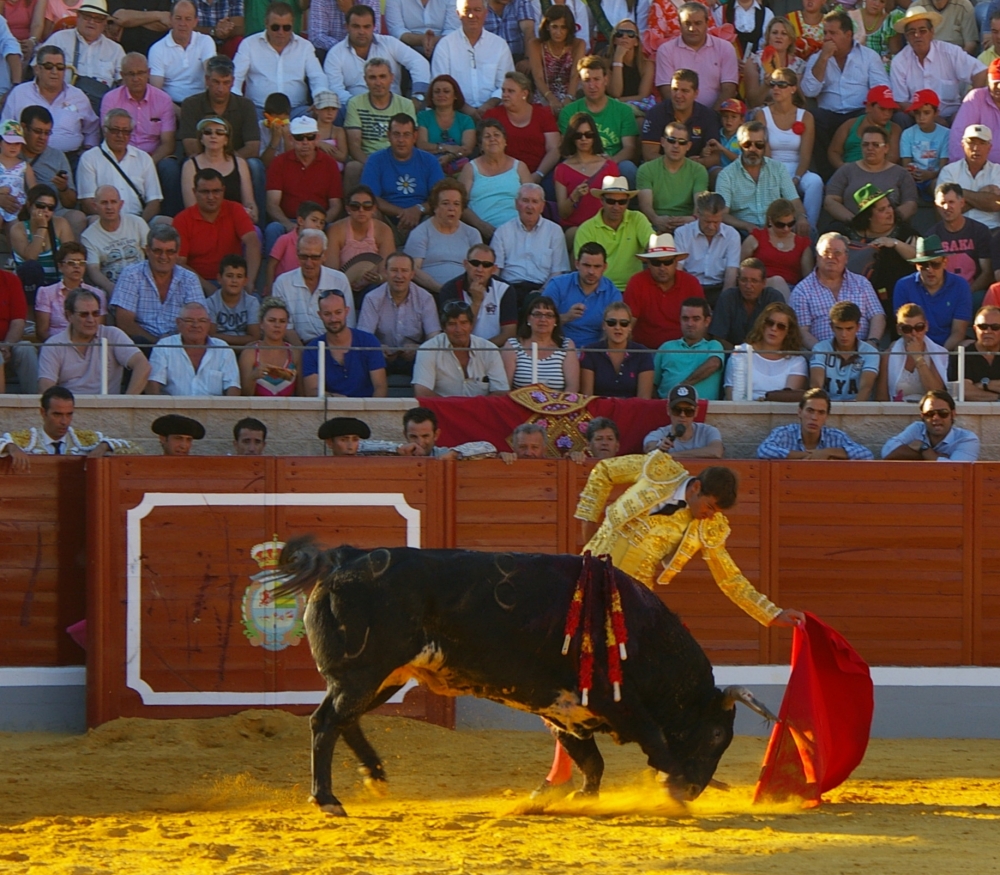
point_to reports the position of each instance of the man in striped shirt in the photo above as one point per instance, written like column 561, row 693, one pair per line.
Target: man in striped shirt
column 810, row 438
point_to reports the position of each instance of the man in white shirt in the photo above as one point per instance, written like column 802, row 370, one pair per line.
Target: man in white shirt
column 475, row 58
column 456, row 362
column 928, row 63
column 86, row 47
column 978, row 176
column 177, row 62
column 345, row 62
column 302, row 289
column 419, row 24
column 190, row 363
column 530, row 250
column 713, row 247
column 117, row 162
column 278, row 60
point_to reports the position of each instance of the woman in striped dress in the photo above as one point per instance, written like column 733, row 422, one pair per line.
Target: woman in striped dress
column 558, row 364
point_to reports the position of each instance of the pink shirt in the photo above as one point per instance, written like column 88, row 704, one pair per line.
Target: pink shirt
column 715, row 63
column 153, row 115
column 52, row 300
column 286, row 251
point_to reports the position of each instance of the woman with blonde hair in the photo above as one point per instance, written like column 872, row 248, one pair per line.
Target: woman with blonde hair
column 216, row 137
column 269, row 366
column 770, row 366
column 617, row 366
column 914, row 364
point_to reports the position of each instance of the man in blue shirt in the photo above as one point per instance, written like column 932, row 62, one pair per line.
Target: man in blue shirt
column 945, row 297
column 810, row 438
column 936, row 438
column 583, row 295
column 844, row 366
column 694, row 359
column 354, row 364
column 402, row 176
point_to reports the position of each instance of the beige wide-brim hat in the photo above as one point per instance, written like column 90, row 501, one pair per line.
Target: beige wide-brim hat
column 613, row 185
column 661, row 246
column 97, row 7
column 915, row 13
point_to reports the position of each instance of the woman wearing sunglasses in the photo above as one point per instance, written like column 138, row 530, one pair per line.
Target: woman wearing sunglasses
column 617, row 366
column 787, row 256
column 215, row 137
column 778, row 53
column 914, row 364
column 791, row 132
column 780, row 372
column 583, row 167
column 632, row 73
column 35, row 239
column 359, row 244
column 558, row 364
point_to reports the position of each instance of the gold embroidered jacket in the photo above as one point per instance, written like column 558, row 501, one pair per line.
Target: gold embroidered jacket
column 638, row 543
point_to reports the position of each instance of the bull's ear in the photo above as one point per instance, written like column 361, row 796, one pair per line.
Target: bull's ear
column 732, row 695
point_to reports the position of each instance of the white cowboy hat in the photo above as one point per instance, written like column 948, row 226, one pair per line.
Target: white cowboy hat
column 915, row 13
column 613, row 185
column 97, row 7
column 661, row 246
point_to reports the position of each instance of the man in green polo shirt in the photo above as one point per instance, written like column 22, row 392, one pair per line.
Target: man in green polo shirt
column 615, row 120
column 667, row 185
column 622, row 232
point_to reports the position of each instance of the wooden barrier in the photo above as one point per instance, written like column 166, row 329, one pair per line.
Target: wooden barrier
column 901, row 557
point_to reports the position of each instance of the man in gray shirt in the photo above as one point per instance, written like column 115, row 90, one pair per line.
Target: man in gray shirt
column 50, row 165
column 738, row 308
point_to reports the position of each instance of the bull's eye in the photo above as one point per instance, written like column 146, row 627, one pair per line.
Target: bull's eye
column 718, row 736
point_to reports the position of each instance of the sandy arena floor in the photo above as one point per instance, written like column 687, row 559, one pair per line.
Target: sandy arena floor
column 229, row 796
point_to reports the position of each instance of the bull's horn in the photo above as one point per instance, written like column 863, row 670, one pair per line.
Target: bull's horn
column 731, row 695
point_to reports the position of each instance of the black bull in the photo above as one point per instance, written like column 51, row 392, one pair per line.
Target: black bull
column 491, row 625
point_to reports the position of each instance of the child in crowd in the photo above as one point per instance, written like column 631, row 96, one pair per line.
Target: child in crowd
column 284, row 255
column 732, row 113
column 274, row 135
column 235, row 314
column 923, row 148
column 16, row 175
column 332, row 139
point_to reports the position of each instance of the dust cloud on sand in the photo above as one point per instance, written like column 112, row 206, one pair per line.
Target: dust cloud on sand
column 228, row 796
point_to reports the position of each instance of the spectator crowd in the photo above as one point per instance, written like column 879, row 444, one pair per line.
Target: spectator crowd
column 775, row 201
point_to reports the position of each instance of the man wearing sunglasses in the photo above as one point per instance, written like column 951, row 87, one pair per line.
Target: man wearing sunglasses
column 583, row 295
column 278, row 60
column 75, row 123
column 622, row 232
column 945, row 297
column 493, row 303
column 810, row 438
column 682, row 437
column 935, row 438
column 982, row 358
column 750, row 185
column 667, row 186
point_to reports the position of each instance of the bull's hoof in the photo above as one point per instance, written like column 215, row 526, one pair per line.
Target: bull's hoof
column 583, row 796
column 334, row 809
column 547, row 792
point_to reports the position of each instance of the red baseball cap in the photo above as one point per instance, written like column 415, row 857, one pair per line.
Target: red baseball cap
column 733, row 105
column 882, row 95
column 925, row 97
column 994, row 70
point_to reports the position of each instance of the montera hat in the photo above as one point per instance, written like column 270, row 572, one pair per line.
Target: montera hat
column 174, row 423
column 340, row 426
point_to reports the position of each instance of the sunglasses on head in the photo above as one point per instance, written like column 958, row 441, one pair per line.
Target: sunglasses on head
column 478, row 262
column 329, row 293
column 676, row 141
column 935, row 413
column 988, row 326
column 274, row 28
column 616, row 201
column 367, row 206
column 903, row 328
column 620, row 323
column 784, row 225
column 628, row 33
column 456, row 308
column 771, row 323
column 303, row 137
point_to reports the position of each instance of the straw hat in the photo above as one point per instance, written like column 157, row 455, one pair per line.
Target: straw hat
column 915, row 13
column 661, row 246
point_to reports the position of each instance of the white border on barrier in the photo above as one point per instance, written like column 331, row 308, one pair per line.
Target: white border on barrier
column 133, row 619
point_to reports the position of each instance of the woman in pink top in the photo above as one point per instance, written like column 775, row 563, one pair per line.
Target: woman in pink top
column 50, row 301
column 359, row 244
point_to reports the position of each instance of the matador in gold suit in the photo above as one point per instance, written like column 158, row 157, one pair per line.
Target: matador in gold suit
column 662, row 519
column 654, row 547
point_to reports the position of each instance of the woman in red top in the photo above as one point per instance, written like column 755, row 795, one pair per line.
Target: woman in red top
column 787, row 256
column 583, row 167
column 532, row 132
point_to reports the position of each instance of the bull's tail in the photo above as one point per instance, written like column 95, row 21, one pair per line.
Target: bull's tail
column 303, row 562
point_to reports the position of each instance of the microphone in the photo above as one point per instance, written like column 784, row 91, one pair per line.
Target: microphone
column 679, row 430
